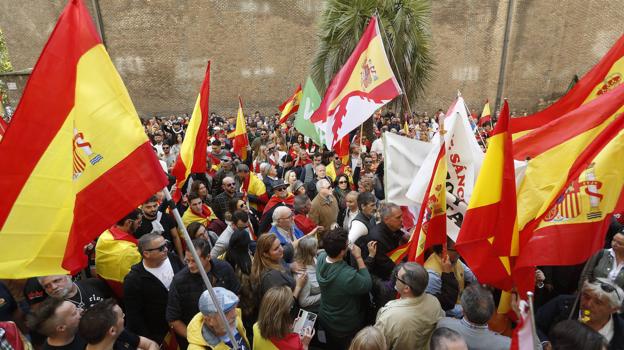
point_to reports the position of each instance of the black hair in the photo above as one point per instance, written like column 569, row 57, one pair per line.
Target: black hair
column 335, row 241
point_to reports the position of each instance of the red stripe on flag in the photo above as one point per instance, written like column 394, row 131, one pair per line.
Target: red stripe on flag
column 569, row 126
column 110, row 197
column 201, row 141
column 52, row 84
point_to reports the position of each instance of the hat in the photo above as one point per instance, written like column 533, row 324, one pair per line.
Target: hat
column 34, row 292
column 280, row 183
column 226, row 299
column 298, row 184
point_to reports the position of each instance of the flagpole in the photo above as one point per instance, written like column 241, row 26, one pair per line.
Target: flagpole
column 532, row 317
column 441, row 135
column 198, row 263
column 396, row 66
column 477, row 125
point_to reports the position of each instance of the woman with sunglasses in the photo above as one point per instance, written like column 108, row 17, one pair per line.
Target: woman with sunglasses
column 341, row 188
column 274, row 329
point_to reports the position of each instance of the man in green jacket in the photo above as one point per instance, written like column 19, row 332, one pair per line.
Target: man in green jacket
column 342, row 314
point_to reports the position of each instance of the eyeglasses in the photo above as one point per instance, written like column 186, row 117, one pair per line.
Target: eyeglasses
column 608, row 288
column 287, row 218
column 396, row 275
column 161, row 248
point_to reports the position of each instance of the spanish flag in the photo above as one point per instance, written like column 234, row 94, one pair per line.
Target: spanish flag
column 115, row 253
column 489, row 232
column 290, row 106
column 255, row 192
column 192, row 157
column 240, row 141
column 431, row 225
column 363, row 85
column 75, row 159
column 486, row 115
column 3, row 125
column 605, row 76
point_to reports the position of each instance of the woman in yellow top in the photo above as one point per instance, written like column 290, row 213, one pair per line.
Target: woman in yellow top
column 274, row 329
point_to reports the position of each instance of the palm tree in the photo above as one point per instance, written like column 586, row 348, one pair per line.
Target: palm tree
column 405, row 31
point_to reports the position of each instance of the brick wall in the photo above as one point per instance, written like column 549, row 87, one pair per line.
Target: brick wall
column 261, row 49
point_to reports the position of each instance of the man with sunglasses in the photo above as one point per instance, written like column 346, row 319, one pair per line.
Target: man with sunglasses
column 146, row 288
column 599, row 306
column 220, row 201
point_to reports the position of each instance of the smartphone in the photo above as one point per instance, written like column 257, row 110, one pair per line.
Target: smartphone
column 305, row 319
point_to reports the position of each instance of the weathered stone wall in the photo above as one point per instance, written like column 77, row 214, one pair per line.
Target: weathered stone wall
column 261, row 49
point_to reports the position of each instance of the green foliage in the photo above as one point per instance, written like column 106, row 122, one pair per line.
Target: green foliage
column 407, row 33
column 5, row 64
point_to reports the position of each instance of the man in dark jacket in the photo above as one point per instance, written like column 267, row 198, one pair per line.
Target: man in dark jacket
column 146, row 288
column 187, row 286
column 600, row 302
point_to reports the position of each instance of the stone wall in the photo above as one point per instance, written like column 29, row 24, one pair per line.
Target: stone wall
column 261, row 49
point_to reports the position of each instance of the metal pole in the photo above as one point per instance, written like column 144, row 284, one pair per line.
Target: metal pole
column 99, row 24
column 396, row 66
column 532, row 317
column 202, row 271
column 501, row 73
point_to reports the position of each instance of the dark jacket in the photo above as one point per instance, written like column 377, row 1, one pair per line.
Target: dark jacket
column 187, row 287
column 381, row 265
column 145, row 299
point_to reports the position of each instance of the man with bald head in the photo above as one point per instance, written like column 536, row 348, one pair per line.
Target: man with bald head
column 220, row 201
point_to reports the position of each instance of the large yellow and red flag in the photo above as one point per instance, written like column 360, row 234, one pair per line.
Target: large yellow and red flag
column 489, row 233
column 290, row 106
column 431, row 226
column 604, row 76
column 240, row 141
column 192, row 157
column 73, row 168
column 363, row 85
column 571, row 188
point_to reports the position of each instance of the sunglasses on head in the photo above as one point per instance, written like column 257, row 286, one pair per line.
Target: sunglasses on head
column 608, row 288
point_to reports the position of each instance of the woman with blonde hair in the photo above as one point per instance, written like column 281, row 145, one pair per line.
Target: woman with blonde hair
column 274, row 329
column 305, row 256
column 270, row 270
column 290, row 177
column 369, row 338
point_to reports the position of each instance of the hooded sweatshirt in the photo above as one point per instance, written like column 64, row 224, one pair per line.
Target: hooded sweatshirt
column 341, row 287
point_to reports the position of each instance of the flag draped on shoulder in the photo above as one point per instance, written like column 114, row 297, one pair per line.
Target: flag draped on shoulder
column 240, row 141
column 79, row 164
column 603, row 77
column 431, row 226
column 489, row 227
column 486, row 115
column 363, row 85
column 310, row 101
column 290, row 106
column 192, row 157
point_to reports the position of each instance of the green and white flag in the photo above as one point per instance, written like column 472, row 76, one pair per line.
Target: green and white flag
column 310, row 101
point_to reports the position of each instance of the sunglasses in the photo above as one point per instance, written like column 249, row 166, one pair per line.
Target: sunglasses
column 161, row 248
column 230, row 185
column 342, row 182
column 608, row 288
column 281, row 189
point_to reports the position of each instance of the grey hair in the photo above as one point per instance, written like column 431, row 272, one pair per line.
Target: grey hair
column 319, row 166
column 145, row 240
column 242, row 167
column 306, row 250
column 300, row 202
column 478, row 304
column 614, row 298
column 442, row 336
column 278, row 211
column 264, row 168
column 415, row 277
column 386, row 209
column 354, row 194
column 321, row 183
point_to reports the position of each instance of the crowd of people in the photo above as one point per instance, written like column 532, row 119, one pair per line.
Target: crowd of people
column 294, row 231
